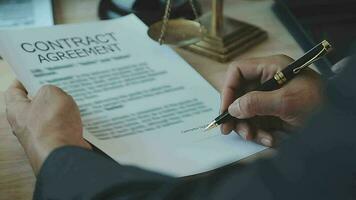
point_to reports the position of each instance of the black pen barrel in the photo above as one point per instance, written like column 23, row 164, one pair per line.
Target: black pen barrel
column 293, row 69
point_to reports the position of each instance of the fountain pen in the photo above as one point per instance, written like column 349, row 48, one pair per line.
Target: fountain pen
column 282, row 77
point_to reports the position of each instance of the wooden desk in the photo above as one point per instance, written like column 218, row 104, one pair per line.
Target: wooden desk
column 16, row 177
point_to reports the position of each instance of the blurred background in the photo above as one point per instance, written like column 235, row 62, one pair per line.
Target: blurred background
column 308, row 21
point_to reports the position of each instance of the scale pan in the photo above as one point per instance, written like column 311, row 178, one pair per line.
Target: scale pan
column 179, row 32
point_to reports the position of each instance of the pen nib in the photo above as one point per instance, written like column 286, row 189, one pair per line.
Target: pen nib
column 211, row 126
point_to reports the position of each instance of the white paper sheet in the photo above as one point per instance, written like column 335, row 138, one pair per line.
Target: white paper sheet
column 137, row 99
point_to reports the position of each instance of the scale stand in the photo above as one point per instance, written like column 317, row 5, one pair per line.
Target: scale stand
column 225, row 37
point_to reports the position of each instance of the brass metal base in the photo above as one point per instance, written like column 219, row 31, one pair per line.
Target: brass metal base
column 234, row 38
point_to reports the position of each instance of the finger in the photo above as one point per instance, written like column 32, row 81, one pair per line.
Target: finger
column 227, row 97
column 53, row 93
column 260, row 69
column 16, row 96
column 264, row 138
column 244, row 129
column 18, row 85
column 16, row 101
column 230, row 88
column 16, row 92
column 257, row 103
column 227, row 127
column 267, row 123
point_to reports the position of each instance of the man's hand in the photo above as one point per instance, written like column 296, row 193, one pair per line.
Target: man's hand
column 286, row 107
column 48, row 121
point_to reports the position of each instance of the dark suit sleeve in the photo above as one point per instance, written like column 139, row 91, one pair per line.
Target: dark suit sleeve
column 317, row 163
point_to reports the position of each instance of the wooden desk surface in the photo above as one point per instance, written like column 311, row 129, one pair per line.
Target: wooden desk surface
column 16, row 176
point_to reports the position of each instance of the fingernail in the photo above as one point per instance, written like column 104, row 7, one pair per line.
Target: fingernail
column 222, row 129
column 266, row 142
column 234, row 109
column 243, row 134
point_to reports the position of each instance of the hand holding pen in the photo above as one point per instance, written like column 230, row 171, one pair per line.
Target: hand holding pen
column 270, row 106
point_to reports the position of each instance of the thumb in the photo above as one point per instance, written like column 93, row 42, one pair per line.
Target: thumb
column 16, row 101
column 256, row 103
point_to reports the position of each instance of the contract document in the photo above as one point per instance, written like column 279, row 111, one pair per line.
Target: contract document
column 140, row 102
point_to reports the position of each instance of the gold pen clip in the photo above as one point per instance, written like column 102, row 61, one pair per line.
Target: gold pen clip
column 326, row 48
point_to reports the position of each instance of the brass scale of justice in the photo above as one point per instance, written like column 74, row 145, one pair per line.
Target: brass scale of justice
column 212, row 35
